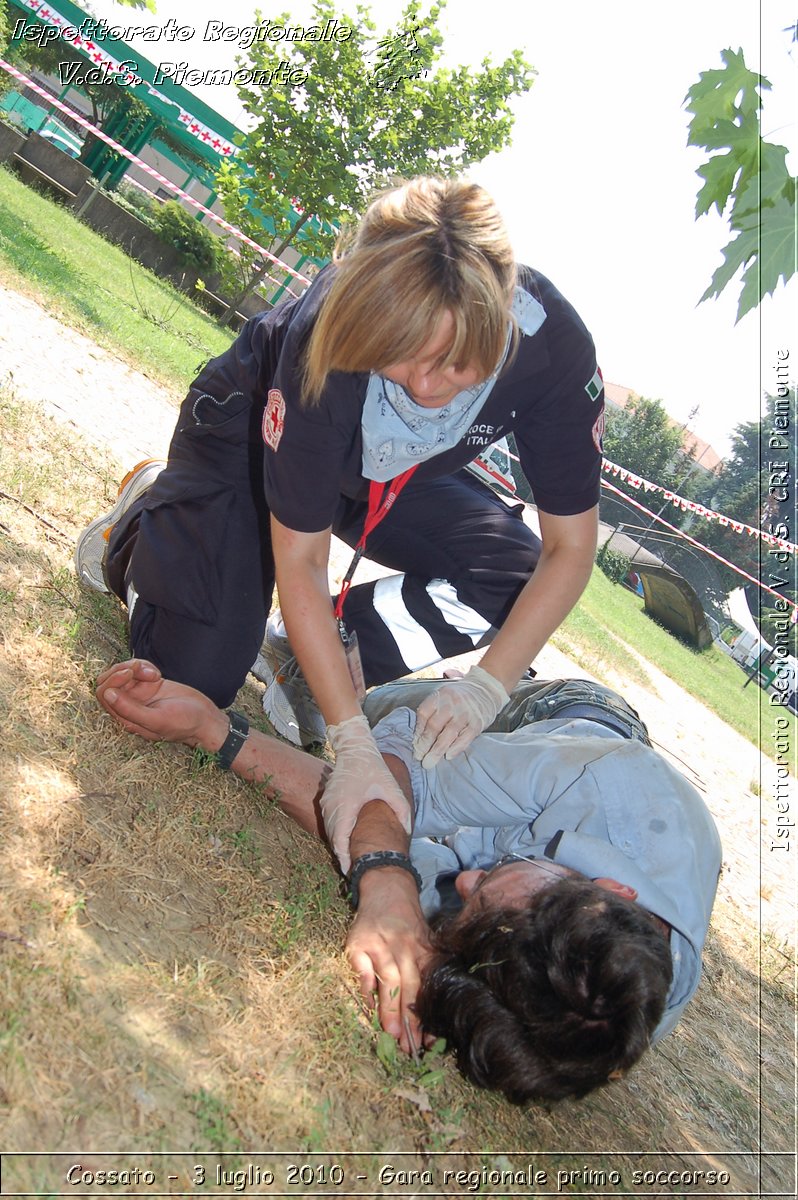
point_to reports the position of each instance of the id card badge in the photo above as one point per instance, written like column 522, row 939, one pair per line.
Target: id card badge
column 353, row 661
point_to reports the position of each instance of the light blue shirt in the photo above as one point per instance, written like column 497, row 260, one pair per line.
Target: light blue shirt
column 621, row 810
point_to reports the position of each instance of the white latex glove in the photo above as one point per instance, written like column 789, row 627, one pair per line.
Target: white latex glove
column 449, row 720
column 359, row 775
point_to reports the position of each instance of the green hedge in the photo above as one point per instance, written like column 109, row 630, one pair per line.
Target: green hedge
column 613, row 563
column 195, row 244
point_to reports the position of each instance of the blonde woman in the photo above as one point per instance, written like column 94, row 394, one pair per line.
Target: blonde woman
column 354, row 410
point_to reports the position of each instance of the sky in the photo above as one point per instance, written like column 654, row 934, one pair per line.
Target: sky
column 598, row 188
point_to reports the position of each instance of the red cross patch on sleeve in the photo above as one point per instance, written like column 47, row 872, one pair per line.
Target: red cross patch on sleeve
column 274, row 418
column 598, row 432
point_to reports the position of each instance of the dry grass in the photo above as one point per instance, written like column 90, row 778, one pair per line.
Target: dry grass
column 170, row 963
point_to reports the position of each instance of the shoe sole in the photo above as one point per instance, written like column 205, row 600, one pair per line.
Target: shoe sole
column 262, row 670
column 275, row 706
column 270, row 661
column 90, row 549
column 268, row 668
column 291, row 733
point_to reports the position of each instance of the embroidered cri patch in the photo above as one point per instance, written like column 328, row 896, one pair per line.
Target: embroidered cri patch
column 598, row 432
column 274, row 418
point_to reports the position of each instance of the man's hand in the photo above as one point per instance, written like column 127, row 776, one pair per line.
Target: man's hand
column 448, row 721
column 388, row 946
column 139, row 698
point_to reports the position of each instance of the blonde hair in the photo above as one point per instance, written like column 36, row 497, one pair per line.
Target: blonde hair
column 421, row 249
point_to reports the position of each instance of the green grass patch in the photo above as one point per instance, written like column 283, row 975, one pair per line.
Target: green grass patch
column 585, row 638
column 97, row 288
column 608, row 619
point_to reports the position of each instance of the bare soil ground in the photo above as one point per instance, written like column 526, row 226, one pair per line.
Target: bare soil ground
column 169, row 945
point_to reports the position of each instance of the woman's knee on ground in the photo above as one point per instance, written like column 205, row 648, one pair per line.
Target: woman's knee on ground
column 191, row 653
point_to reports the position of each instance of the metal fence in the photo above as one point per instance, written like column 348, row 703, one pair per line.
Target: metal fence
column 697, row 568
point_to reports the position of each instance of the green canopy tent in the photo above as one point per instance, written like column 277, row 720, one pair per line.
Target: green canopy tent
column 172, row 112
column 188, row 120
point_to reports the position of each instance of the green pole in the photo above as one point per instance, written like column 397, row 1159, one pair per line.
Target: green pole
column 284, row 286
column 209, row 203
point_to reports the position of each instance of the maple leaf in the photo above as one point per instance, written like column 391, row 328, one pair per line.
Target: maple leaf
column 720, row 172
column 765, row 245
column 764, row 188
column 752, row 175
column 776, row 257
column 715, row 97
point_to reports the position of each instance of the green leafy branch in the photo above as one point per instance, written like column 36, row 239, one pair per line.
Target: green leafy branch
column 747, row 178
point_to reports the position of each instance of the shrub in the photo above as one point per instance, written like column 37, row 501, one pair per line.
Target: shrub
column 136, row 202
column 613, row 563
column 196, row 246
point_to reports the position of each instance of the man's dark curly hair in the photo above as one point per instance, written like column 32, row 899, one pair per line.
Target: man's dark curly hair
column 552, row 1000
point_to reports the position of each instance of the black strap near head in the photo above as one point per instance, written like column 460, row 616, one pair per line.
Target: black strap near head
column 378, row 858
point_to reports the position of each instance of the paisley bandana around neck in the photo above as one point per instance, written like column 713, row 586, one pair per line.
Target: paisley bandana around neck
column 398, row 433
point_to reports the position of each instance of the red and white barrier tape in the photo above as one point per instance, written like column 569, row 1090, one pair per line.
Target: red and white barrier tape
column 699, row 545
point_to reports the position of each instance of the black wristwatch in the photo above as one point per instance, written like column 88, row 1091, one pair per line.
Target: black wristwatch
column 378, row 858
column 237, row 735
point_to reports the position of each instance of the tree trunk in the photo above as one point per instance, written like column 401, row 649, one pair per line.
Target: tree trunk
column 260, row 271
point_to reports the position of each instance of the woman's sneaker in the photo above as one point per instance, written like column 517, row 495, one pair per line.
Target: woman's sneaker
column 287, row 701
column 93, row 542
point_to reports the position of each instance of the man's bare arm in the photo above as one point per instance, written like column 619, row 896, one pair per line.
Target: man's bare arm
column 143, row 702
column 388, row 943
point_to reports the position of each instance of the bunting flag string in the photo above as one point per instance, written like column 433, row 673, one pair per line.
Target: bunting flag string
column 698, row 510
column 70, row 35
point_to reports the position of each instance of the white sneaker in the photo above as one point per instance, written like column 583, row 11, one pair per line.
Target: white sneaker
column 93, row 542
column 275, row 651
column 287, row 701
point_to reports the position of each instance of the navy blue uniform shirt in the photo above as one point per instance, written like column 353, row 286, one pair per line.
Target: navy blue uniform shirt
column 550, row 397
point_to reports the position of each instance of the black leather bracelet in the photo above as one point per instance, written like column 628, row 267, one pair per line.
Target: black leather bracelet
column 375, row 859
column 238, row 734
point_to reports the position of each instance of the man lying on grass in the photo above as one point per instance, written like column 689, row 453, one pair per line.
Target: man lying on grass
column 547, row 913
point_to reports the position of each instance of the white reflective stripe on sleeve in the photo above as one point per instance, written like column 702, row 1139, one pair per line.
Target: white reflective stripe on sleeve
column 415, row 644
column 132, row 597
column 464, row 619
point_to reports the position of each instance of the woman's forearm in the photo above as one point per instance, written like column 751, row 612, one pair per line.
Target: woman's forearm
column 303, row 587
column 556, row 585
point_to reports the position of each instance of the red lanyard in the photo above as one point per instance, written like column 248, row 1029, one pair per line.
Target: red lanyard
column 381, row 500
